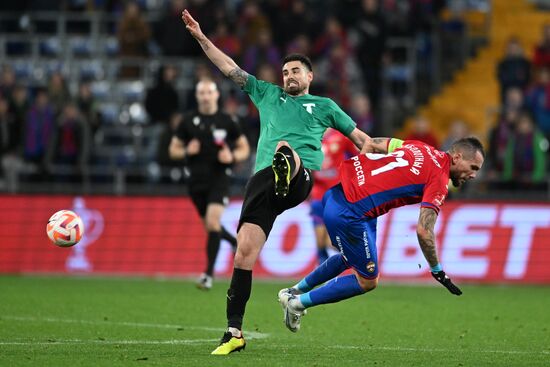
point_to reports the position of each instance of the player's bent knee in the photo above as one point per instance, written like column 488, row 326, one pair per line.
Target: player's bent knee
column 367, row 284
column 212, row 225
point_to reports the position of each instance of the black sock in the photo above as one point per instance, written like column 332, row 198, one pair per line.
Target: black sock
column 229, row 238
column 212, row 248
column 290, row 156
column 237, row 296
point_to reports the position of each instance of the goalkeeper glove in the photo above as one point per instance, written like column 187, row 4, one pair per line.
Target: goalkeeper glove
column 442, row 278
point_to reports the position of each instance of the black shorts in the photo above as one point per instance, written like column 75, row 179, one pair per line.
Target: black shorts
column 261, row 206
column 216, row 191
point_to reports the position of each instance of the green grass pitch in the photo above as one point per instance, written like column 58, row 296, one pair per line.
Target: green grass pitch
column 81, row 321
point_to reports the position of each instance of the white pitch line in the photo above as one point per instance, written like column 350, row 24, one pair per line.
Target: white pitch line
column 435, row 350
column 111, row 342
column 249, row 334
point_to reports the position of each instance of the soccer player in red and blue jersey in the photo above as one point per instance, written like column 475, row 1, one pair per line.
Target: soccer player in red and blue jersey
column 336, row 148
column 388, row 173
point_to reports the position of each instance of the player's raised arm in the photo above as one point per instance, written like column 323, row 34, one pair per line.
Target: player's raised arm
column 426, row 239
column 226, row 64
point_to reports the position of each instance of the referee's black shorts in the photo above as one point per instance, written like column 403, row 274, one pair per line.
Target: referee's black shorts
column 214, row 191
column 261, row 206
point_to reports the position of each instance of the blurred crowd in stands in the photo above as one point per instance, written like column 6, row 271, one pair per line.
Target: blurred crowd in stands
column 64, row 122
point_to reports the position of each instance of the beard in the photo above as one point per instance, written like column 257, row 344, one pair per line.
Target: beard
column 294, row 89
column 456, row 181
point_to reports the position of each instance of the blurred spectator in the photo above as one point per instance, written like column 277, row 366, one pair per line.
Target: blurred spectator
column 10, row 131
column 421, row 131
column 499, row 137
column 526, row 155
column 163, row 156
column 424, row 14
column 162, row 100
column 202, row 71
column 171, row 35
column 58, row 92
column 20, row 104
column 340, row 75
column 263, row 51
column 133, row 38
column 226, row 41
column 542, row 50
column 371, row 48
column 538, row 100
column 250, row 23
column 39, row 127
column 361, row 112
column 514, row 70
column 297, row 21
column 513, row 99
column 332, row 36
column 88, row 106
column 300, row 44
column 457, row 130
column 70, row 141
column 7, row 82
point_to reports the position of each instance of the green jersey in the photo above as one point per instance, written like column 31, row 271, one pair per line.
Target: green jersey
column 301, row 121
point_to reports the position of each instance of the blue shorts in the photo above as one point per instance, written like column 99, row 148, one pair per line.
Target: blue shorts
column 353, row 235
column 317, row 212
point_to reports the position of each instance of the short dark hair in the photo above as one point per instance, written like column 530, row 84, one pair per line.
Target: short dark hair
column 299, row 57
column 469, row 145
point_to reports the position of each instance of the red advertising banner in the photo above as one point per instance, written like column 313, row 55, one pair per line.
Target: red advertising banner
column 482, row 242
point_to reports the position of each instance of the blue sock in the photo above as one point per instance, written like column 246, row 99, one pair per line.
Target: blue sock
column 322, row 255
column 332, row 267
column 336, row 290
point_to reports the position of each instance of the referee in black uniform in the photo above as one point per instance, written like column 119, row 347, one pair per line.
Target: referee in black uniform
column 211, row 142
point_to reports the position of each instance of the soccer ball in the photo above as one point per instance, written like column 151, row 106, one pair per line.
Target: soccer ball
column 65, row 228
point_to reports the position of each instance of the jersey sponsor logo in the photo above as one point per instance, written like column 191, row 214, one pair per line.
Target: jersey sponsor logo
column 432, row 156
column 438, row 200
column 366, row 244
column 309, row 107
column 283, row 99
column 360, row 175
column 339, row 245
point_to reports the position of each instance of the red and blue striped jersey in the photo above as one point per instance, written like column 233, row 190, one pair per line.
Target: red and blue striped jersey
column 336, row 148
column 413, row 173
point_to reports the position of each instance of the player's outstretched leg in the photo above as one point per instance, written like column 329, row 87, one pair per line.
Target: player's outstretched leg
column 284, row 167
column 229, row 344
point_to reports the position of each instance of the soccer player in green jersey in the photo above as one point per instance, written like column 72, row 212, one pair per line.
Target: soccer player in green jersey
column 292, row 124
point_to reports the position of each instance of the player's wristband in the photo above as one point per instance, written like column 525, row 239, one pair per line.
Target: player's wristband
column 436, row 268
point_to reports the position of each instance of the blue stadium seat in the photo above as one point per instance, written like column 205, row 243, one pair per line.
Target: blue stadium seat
column 50, row 47
column 91, row 70
column 81, row 46
column 101, row 90
column 111, row 46
column 109, row 113
column 23, row 69
column 131, row 91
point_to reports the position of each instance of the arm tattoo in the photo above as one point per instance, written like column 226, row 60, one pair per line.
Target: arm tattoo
column 203, row 41
column 378, row 140
column 427, row 243
column 239, row 76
